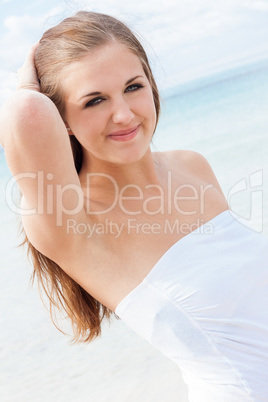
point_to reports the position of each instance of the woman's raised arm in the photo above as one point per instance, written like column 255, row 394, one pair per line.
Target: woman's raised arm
column 39, row 155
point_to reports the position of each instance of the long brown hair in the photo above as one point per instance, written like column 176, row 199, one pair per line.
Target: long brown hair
column 59, row 46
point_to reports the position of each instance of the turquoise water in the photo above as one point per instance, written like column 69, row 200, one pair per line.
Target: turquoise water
column 223, row 112
column 225, row 118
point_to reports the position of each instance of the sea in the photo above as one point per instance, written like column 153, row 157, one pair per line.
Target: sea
column 223, row 116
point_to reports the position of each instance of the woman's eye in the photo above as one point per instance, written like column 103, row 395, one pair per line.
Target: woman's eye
column 134, row 87
column 94, row 102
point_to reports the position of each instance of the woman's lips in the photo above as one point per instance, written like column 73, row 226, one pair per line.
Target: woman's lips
column 125, row 135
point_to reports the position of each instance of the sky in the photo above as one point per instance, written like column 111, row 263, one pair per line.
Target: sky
column 184, row 39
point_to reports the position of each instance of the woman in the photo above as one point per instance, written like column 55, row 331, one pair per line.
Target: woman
column 112, row 227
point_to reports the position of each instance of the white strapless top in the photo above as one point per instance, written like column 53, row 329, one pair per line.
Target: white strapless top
column 205, row 306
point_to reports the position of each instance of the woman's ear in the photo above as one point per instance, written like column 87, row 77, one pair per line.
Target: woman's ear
column 68, row 129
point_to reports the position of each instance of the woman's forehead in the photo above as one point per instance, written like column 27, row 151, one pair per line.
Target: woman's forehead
column 101, row 67
column 104, row 56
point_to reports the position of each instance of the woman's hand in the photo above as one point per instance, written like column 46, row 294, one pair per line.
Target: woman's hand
column 27, row 75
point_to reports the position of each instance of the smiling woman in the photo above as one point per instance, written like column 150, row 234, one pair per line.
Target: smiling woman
column 119, row 110
column 70, row 47
column 112, row 227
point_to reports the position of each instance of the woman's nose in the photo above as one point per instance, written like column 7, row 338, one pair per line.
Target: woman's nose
column 122, row 113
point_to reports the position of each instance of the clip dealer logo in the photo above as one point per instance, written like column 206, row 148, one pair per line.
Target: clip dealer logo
column 245, row 199
column 253, row 186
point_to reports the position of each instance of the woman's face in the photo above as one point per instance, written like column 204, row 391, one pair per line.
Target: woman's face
column 109, row 105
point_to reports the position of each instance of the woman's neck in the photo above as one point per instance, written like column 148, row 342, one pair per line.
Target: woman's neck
column 102, row 179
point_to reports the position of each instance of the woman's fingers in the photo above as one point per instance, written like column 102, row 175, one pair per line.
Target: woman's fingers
column 27, row 75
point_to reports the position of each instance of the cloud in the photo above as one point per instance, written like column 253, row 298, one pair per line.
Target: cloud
column 20, row 32
column 261, row 5
column 7, row 84
column 179, row 33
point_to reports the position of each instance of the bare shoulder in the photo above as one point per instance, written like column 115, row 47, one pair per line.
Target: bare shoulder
column 190, row 163
column 185, row 160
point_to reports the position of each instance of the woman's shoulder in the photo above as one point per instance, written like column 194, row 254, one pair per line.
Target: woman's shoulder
column 189, row 163
column 186, row 160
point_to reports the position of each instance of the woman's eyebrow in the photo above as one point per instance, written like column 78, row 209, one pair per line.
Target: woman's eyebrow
column 133, row 79
column 96, row 93
column 90, row 94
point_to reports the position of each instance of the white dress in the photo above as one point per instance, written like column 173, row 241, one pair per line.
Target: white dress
column 205, row 306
